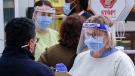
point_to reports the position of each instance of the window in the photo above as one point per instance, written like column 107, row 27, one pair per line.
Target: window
column 8, row 8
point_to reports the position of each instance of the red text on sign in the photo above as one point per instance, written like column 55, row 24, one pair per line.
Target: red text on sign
column 108, row 12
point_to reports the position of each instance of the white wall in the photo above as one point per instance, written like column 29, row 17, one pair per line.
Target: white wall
column 21, row 7
column 1, row 27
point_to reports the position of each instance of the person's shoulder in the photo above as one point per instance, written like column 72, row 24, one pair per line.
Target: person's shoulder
column 54, row 47
column 42, row 69
column 121, row 54
column 82, row 55
column 37, row 65
column 123, row 58
column 86, row 15
column 52, row 31
column 42, row 66
column 124, row 64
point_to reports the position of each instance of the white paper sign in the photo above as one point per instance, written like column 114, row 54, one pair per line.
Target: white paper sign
column 117, row 10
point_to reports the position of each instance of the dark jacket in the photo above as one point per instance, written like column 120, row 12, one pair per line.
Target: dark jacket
column 20, row 62
column 58, row 54
column 86, row 15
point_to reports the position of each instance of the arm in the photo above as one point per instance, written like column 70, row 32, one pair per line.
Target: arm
column 43, row 57
column 125, row 67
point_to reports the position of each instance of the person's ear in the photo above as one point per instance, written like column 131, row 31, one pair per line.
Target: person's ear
column 30, row 44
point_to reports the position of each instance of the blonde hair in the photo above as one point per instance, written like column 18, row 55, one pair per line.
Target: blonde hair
column 104, row 20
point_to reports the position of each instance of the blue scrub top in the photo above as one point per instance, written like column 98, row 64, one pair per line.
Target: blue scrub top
column 107, row 52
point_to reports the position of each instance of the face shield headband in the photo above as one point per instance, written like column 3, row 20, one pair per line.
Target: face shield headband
column 42, row 9
column 97, row 26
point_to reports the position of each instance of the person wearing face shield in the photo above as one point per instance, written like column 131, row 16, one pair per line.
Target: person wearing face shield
column 18, row 56
column 76, row 7
column 102, row 58
column 43, row 17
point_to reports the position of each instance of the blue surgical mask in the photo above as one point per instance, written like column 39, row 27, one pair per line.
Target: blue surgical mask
column 94, row 44
column 67, row 9
column 44, row 21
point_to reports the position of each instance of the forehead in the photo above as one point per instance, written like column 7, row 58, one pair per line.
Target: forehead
column 92, row 30
column 41, row 8
column 69, row 1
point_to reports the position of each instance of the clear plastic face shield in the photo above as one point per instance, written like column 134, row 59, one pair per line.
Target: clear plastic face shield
column 44, row 17
column 94, row 37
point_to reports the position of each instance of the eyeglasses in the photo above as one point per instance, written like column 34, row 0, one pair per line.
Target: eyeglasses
column 94, row 35
column 35, row 42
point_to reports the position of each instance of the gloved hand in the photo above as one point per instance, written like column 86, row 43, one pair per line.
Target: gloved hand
column 60, row 67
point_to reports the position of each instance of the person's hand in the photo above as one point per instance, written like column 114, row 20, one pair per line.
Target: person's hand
column 60, row 67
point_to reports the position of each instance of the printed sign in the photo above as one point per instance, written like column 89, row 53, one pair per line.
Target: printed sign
column 117, row 10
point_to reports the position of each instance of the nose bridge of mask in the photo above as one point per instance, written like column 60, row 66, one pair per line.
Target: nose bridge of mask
column 96, row 40
column 42, row 18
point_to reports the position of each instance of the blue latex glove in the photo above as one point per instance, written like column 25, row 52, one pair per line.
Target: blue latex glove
column 60, row 67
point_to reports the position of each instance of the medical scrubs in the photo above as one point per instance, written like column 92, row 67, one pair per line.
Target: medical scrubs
column 45, row 41
column 113, row 64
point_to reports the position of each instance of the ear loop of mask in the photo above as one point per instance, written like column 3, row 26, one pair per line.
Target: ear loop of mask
column 74, row 6
column 28, row 45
